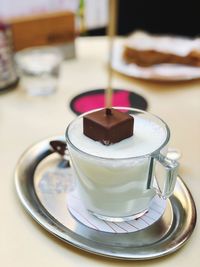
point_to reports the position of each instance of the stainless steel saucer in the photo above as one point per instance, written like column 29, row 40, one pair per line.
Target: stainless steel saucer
column 45, row 199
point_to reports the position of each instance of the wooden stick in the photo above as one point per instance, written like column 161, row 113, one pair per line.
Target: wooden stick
column 113, row 4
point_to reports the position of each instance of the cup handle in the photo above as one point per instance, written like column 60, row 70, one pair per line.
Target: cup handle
column 171, row 168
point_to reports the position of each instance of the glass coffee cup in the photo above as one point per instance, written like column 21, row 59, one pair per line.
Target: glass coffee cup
column 118, row 182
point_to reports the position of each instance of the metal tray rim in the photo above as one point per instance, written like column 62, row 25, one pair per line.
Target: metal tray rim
column 42, row 217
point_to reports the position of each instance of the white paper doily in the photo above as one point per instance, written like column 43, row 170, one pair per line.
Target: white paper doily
column 78, row 210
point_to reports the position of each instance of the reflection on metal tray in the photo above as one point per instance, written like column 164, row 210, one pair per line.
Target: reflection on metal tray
column 46, row 201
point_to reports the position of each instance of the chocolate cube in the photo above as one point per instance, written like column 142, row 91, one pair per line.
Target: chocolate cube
column 108, row 126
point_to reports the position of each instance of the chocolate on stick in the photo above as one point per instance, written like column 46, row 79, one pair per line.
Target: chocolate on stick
column 108, row 126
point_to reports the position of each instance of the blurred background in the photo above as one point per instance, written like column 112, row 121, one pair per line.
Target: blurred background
column 36, row 23
column 176, row 17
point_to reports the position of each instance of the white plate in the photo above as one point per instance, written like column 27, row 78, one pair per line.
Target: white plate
column 160, row 72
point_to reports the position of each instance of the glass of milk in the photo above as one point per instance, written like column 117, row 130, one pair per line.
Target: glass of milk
column 117, row 182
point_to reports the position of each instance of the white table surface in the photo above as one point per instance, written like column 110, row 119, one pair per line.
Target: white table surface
column 25, row 120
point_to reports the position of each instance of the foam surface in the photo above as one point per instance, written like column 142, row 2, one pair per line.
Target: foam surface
column 148, row 136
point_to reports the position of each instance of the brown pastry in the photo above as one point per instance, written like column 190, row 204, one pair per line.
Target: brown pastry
column 145, row 50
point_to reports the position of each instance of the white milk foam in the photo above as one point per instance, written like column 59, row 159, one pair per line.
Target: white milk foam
column 148, row 136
